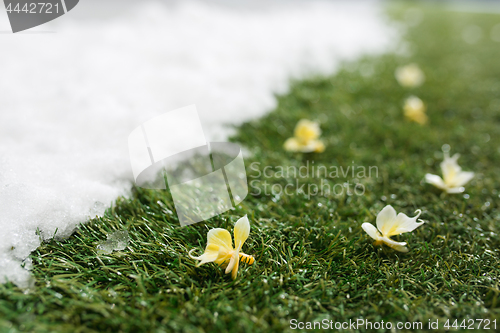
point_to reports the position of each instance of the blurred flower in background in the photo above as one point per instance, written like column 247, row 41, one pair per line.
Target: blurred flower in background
column 305, row 139
column 414, row 110
column 410, row 76
column 453, row 177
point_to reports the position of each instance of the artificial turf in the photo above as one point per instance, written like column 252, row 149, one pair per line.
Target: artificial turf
column 313, row 260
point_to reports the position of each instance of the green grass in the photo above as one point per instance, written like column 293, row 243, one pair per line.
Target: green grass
column 313, row 260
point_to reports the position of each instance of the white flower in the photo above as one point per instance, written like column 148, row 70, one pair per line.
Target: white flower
column 389, row 224
column 410, row 76
column 414, row 110
column 453, row 177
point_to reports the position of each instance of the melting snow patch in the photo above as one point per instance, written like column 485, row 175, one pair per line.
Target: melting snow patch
column 116, row 241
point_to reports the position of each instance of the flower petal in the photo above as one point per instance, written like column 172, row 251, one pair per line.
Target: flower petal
column 292, row 144
column 234, row 272
column 231, row 264
column 410, row 76
column 319, row 146
column 455, row 189
column 310, row 146
column 307, row 130
column 371, row 230
column 404, row 224
column 400, row 248
column 463, row 178
column 236, row 254
column 223, row 258
column 296, row 145
column 386, row 219
column 416, row 115
column 414, row 109
column 450, row 169
column 211, row 254
column 235, row 258
column 220, row 237
column 436, row 181
column 391, row 243
column 241, row 230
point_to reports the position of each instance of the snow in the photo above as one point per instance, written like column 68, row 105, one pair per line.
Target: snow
column 72, row 90
column 115, row 241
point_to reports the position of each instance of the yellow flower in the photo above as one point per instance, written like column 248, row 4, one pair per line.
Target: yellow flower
column 305, row 138
column 410, row 76
column 307, row 130
column 388, row 225
column 220, row 247
column 414, row 110
column 453, row 177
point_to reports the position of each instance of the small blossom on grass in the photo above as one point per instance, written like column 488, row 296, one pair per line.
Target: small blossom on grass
column 410, row 76
column 453, row 177
column 305, row 138
column 220, row 247
column 388, row 224
column 414, row 110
